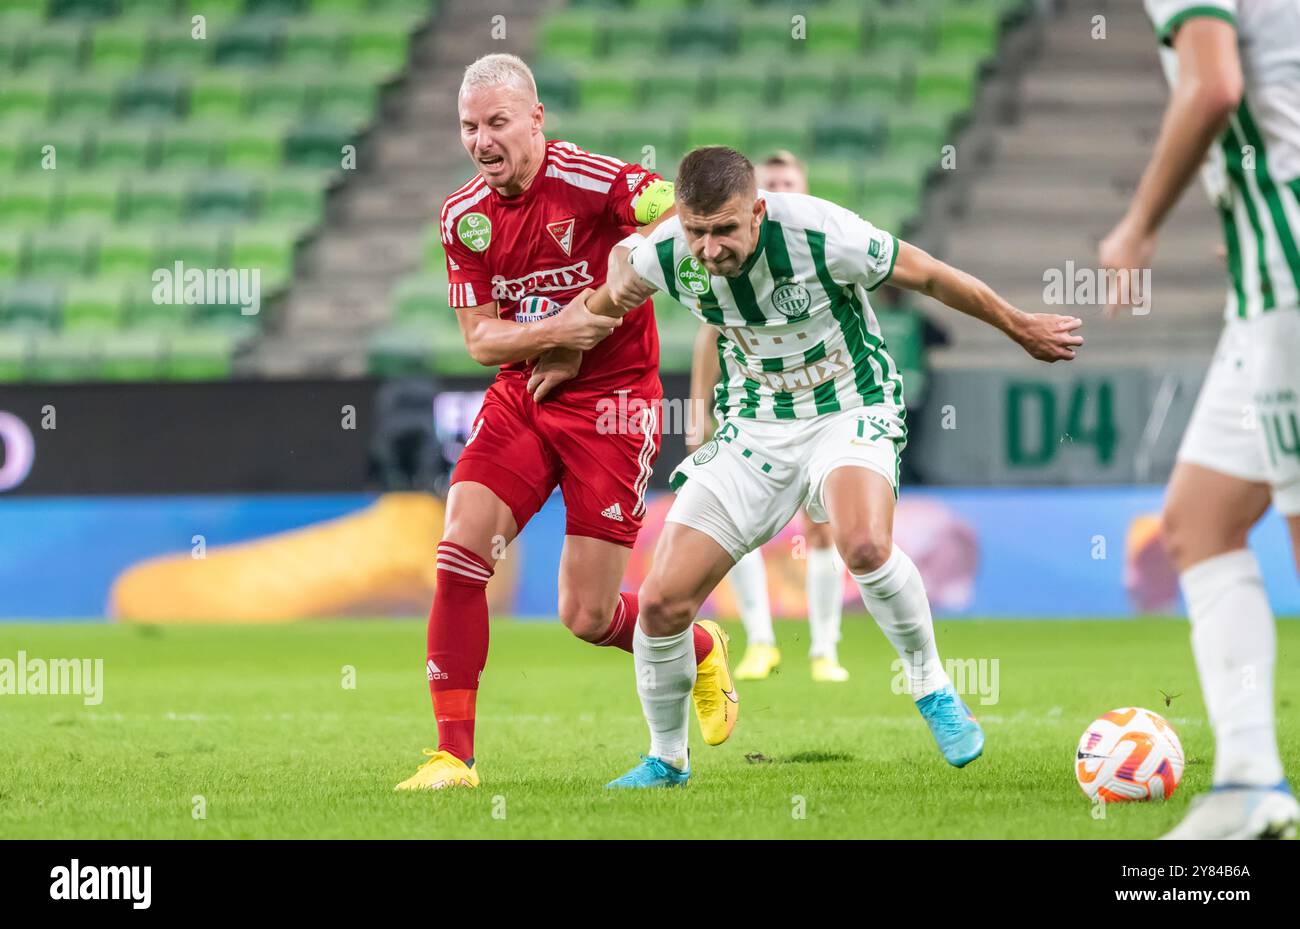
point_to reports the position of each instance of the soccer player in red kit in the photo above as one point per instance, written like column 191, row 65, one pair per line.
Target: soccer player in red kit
column 539, row 223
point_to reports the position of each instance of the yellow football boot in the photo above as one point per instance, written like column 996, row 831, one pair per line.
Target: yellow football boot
column 443, row 769
column 716, row 703
column 829, row 671
column 760, row 661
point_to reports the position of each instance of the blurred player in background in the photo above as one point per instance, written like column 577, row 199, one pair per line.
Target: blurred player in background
column 1235, row 72
column 540, row 221
column 812, row 414
column 780, row 172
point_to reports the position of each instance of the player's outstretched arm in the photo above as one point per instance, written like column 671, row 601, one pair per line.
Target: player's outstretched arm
column 1045, row 336
column 493, row 341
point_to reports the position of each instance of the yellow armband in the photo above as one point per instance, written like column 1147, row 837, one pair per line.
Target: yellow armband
column 654, row 201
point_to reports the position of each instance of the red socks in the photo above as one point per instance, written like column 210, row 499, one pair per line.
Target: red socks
column 624, row 622
column 457, row 645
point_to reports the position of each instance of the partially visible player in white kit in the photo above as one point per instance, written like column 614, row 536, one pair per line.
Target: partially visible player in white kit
column 812, row 415
column 1234, row 67
column 780, row 172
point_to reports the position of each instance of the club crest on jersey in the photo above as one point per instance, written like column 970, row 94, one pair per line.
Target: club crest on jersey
column 562, row 233
column 692, row 277
column 475, row 231
column 532, row 308
column 791, row 298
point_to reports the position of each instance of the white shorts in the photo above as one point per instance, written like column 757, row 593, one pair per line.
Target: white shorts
column 1246, row 423
column 743, row 487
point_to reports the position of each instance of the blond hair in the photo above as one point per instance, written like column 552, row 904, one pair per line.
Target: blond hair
column 500, row 69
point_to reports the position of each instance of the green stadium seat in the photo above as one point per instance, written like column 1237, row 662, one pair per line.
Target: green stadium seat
column 275, row 7
column 379, row 46
column 674, row 88
column 218, row 95
column 157, row 199
column 124, row 147
column 421, row 296
column 836, row 181
column 813, row 84
column 194, row 246
column 89, row 199
column 636, row 36
column 59, row 253
column 291, row 198
column 84, row 9
column 970, row 31
column 51, row 147
column 608, row 88
column 701, row 32
column 119, row 47
column 127, row 254
column 144, row 315
column 892, row 188
column 85, row 98
column 268, row 248
column 847, row 134
column 876, row 81
column 317, row 143
column 151, row 96
column 93, row 305
column 222, row 198
column 728, row 127
column 767, row 35
column 780, row 129
column 30, row 305
column 199, row 356
column 347, row 101
column 584, row 129
column 25, row 97
column 9, row 148
column 72, row 356
column 569, row 36
column 917, row 136
column 133, row 355
column 254, row 146
column 187, row 147
column 26, row 12
column 30, row 204
column 657, row 145
column 901, row 29
column 401, row 349
column 277, row 95
column 218, row 11
column 309, row 43
column 433, row 256
column 743, row 85
column 904, row 334
column 12, row 249
column 175, row 49
column 556, row 86
column 54, row 48
column 943, row 83
column 834, row 32
column 15, row 352
column 250, row 42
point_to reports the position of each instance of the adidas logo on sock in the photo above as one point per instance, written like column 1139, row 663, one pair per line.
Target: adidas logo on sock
column 613, row 512
column 435, row 673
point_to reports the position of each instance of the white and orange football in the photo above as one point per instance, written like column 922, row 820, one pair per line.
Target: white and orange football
column 1129, row 754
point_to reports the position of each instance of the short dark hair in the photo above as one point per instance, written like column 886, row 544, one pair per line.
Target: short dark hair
column 711, row 175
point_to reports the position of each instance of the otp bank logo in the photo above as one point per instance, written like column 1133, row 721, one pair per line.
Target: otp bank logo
column 17, row 451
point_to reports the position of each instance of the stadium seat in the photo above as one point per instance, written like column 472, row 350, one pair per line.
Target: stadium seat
column 292, row 199
column 126, row 254
column 31, row 203
column 378, row 46
column 635, row 36
column 12, row 249
column 945, row 83
column 81, row 9
column 902, row 29
column 51, row 147
column 86, row 98
column 401, row 349
column 89, row 199
column 834, row 32
column 93, row 305
column 728, row 127
column 54, row 48
column 876, row 82
column 556, row 85
column 157, row 199
column 968, row 30
column 742, row 85
column 609, row 88
column 317, row 143
column 837, row 181
column 176, row 50
column 59, row 356
column 421, row 296
column 779, row 129
column 673, row 89
column 146, row 315
column 250, row 42
column 195, row 246
column 917, row 136
column 151, row 96
column 15, row 350
column 222, row 197
column 133, row 355
column 187, row 147
column 569, row 36
column 218, row 95
column 847, row 134
column 812, row 84
column 118, row 47
column 124, row 147
column 58, row 254
column 267, row 248
column 30, row 305
column 25, row 97
column 701, row 33
column 278, row 94
column 766, row 35
column 199, row 356
column 347, row 100
column 253, row 146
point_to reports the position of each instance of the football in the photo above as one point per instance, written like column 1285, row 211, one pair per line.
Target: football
column 1129, row 754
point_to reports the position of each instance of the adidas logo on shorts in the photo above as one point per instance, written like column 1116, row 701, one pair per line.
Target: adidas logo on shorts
column 613, row 512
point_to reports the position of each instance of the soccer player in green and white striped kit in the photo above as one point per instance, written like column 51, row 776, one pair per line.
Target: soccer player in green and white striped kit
column 1234, row 115
column 811, row 412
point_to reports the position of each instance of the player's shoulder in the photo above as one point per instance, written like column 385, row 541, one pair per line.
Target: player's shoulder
column 583, row 170
column 462, row 200
column 804, row 211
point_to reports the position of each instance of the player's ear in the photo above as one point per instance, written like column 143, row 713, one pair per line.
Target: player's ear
column 539, row 116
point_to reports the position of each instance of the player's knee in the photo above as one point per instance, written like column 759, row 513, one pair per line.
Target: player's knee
column 866, row 552
column 660, row 613
column 588, row 621
column 1189, row 539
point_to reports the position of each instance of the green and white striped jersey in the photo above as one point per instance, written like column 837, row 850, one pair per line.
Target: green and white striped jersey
column 798, row 337
column 1253, row 174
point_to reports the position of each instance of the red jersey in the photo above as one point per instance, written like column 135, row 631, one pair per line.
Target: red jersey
column 535, row 252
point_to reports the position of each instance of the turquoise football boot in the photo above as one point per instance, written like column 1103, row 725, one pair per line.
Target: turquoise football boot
column 652, row 772
column 953, row 726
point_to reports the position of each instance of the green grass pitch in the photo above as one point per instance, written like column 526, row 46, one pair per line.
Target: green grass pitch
column 257, row 723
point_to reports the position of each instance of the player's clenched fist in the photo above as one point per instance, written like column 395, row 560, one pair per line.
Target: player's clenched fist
column 1048, row 337
column 577, row 327
column 626, row 287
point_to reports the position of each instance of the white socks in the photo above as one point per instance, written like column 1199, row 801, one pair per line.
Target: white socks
column 895, row 596
column 1235, row 643
column 665, row 676
column 825, row 602
column 749, row 583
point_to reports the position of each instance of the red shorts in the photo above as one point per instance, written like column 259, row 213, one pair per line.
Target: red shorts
column 600, row 451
